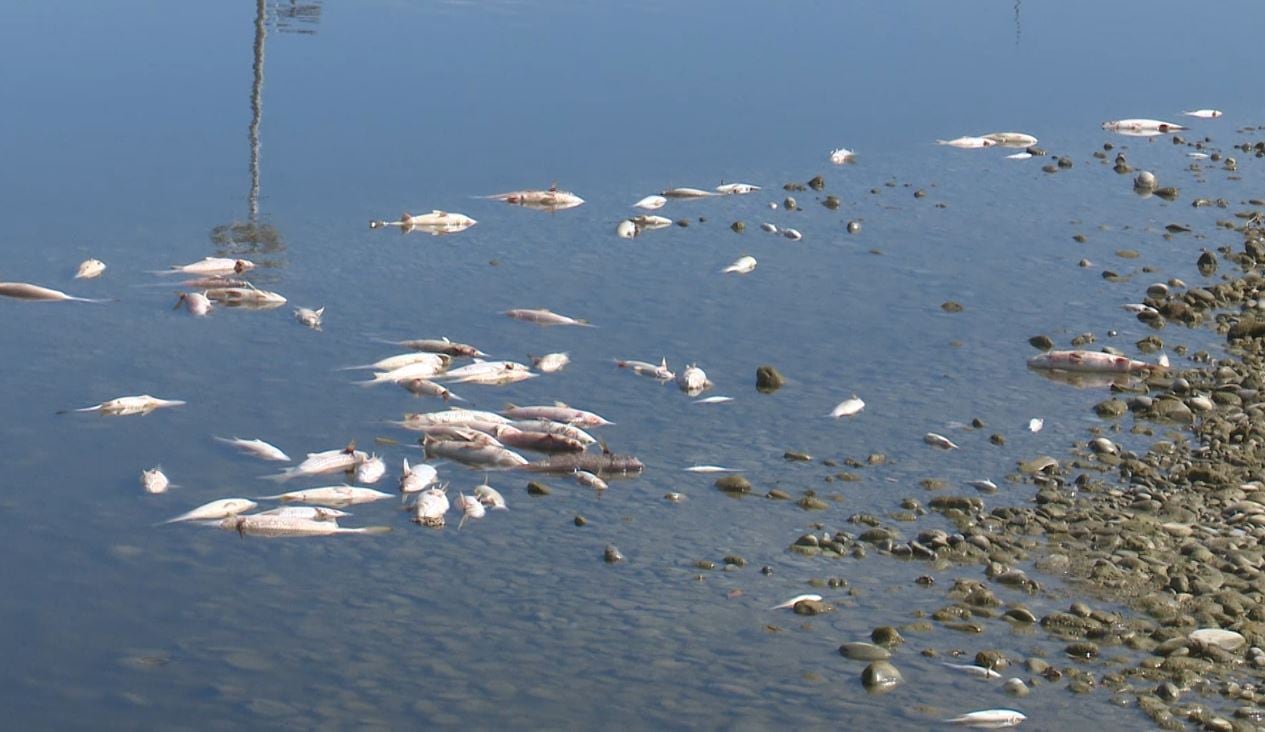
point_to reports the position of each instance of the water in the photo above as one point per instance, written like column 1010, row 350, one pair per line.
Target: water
column 130, row 137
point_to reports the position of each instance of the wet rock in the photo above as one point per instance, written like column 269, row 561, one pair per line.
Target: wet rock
column 1110, row 408
column 768, row 379
column 796, row 456
column 817, row 183
column 1207, row 263
column 1225, row 639
column 812, row 503
column 881, row 676
column 854, row 227
column 738, row 227
column 831, row 202
column 951, row 306
column 886, row 635
column 812, row 607
column 580, row 520
column 535, row 488
column 612, row 554
column 734, row 484
column 861, row 651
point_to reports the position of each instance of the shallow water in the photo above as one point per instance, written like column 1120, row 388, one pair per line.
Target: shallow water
column 132, row 144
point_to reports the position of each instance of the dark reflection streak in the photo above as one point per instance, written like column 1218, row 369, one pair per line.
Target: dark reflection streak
column 256, row 109
column 1018, row 28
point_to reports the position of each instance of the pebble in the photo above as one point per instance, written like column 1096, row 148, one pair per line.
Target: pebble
column 881, row 676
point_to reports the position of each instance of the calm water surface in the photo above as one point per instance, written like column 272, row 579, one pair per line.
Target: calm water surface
column 128, row 137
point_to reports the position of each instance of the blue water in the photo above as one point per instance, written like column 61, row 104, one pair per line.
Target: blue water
column 127, row 139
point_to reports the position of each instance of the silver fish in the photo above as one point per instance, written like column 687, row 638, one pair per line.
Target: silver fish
column 971, row 669
column 709, row 469
column 453, row 416
column 27, row 291
column 550, row 362
column 154, row 481
column 558, row 412
column 439, row 345
column 849, row 407
column 215, row 510
column 256, row 447
column 736, row 189
column 435, row 223
column 741, row 265
column 570, row 431
column 984, row 485
column 336, row 496
column 645, row 368
column 478, row 456
column 796, row 600
column 792, row 234
column 213, row 266
column 309, row 513
column 471, row 508
column 277, row 527
column 693, row 380
column 989, row 718
column 939, row 441
column 129, row 405
column 544, row 316
column 714, row 400
column 310, row 318
column 1141, row 126
column 550, row 200
column 322, row 463
column 589, row 480
column 90, row 269
column 1011, row 139
column 426, row 369
column 651, row 203
column 968, row 142
column 436, row 360
column 1204, row 113
column 688, row 193
column 488, row 373
column 841, row 155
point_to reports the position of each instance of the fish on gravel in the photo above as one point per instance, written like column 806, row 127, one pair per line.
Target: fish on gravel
column 939, row 441
column 544, row 316
column 791, row 603
column 1087, row 361
column 435, row 223
column 989, row 719
column 89, row 269
column 310, row 318
column 736, row 189
column 439, row 345
column 693, row 380
column 490, row 496
column 309, row 513
column 849, row 407
column 645, row 368
column 550, row 362
column 129, row 405
column 213, row 266
column 417, row 478
column 688, row 193
column 323, row 463
column 557, row 412
column 741, row 265
column 215, row 510
column 154, row 481
column 550, row 200
column 256, row 447
column 968, row 142
column 651, row 203
column 841, row 155
column 970, row 669
column 27, row 291
column 335, row 496
column 279, row 527
column 370, row 470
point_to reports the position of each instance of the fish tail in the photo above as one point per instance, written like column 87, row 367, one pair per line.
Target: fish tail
column 369, row 382
column 97, row 408
column 372, row 530
column 454, row 397
column 281, row 477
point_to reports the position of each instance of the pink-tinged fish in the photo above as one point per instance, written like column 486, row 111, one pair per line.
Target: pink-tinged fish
column 439, row 345
column 539, row 441
column 558, row 412
column 544, row 316
column 550, row 200
column 1088, row 361
column 129, row 405
column 197, row 303
column 968, row 142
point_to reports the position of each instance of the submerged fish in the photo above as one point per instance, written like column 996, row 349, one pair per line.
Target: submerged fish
column 550, row 362
column 791, row 603
column 439, row 345
column 435, row 223
column 970, row 669
column 213, row 266
column 310, row 318
column 968, row 142
column 544, row 316
column 154, row 481
column 89, row 269
column 604, row 464
column 651, row 203
column 276, row 527
column 1204, row 113
column 256, row 447
column 336, row 496
column 1087, row 361
column 215, row 510
column 940, row 441
column 989, row 718
column 645, row 368
column 741, row 265
column 197, row 303
column 689, row 193
column 27, row 291
column 841, row 155
column 849, row 407
column 129, row 405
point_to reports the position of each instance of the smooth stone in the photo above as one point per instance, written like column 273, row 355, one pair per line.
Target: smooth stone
column 734, row 484
column 881, row 676
column 862, row 651
column 768, row 379
column 1225, row 639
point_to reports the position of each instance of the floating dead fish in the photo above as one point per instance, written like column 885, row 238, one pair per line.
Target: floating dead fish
column 1019, row 156
column 736, row 189
column 1011, row 139
column 307, row 513
column 370, row 470
column 714, row 400
column 90, row 269
column 423, row 387
column 841, row 155
column 548, row 442
column 569, row 431
column 981, row 672
column 550, row 200
column 336, row 496
column 650, row 222
column 792, row 234
column 693, row 380
column 310, row 318
column 939, row 441
column 435, row 223
column 791, row 603
column 968, row 142
column 550, row 362
column 650, row 203
column 256, row 447
column 323, row 463
column 1204, row 113
column 488, row 373
column 435, row 361
column 1138, row 308
column 544, row 316
column 452, row 416
column 849, row 407
column 438, row 345
column 589, row 480
column 689, row 193
column 645, row 368
column 558, row 412
column 431, row 506
column 1087, row 361
column 1198, row 155
column 424, row 369
column 417, row 478
column 770, row 228
column 709, row 469
column 215, row 510
column 985, row 485
column 1141, row 126
column 245, row 295
column 472, row 454
column 213, row 266
column 129, row 405
column 626, row 229
column 741, row 265
column 27, row 291
column 277, row 527
column 989, row 718
column 470, row 508
column 490, row 496
column 154, row 481
column 197, row 303
column 1035, row 424
column 602, row 465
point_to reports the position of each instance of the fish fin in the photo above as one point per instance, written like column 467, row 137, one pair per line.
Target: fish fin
column 562, row 404
column 277, row 497
column 371, row 530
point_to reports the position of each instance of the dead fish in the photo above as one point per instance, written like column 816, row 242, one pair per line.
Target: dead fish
column 849, row 407
column 544, row 316
column 1138, row 308
column 452, row 416
column 604, row 464
column 277, row 527
column 488, row 373
column 968, row 142
column 129, row 405
column 564, row 429
column 939, row 441
column 310, row 318
column 215, row 510
column 792, row 234
column 693, row 380
column 770, row 228
column 539, row 441
column 985, row 485
column 550, row 200
column 90, row 269
column 714, row 400
column 436, row 361
column 308, row 513
column 688, row 193
column 841, row 155
column 645, row 368
column 1143, row 126
column 557, row 412
column 791, row 603
column 626, row 229
column 246, row 294
column 981, row 672
column 470, row 508
column 989, row 718
column 435, row 223
column 1198, row 155
column 473, row 455
column 1035, row 424
column 1011, row 139
column 1087, row 361
column 371, row 470
column 417, row 478
column 336, row 496
column 741, row 265
column 490, row 496
column 27, row 291
column 422, row 387
column 431, row 506
column 256, row 447
column 651, row 222
column 439, row 345
column 1019, row 156
column 323, row 463
column 417, row 370
column 213, row 266
column 736, row 189
column 589, row 480
column 709, row 469
column 651, row 203
column 154, row 481
column 198, row 304
column 1204, row 113
column 550, row 362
